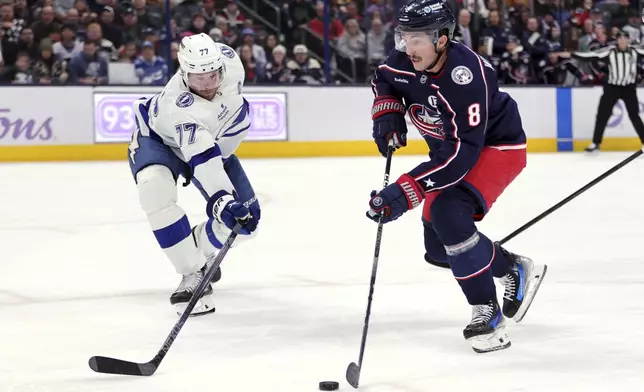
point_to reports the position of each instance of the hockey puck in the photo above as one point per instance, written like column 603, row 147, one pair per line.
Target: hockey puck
column 329, row 385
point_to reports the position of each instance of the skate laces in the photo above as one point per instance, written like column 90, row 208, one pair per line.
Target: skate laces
column 509, row 282
column 482, row 313
column 190, row 282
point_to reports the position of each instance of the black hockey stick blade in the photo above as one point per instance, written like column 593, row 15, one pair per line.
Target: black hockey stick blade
column 118, row 366
column 353, row 375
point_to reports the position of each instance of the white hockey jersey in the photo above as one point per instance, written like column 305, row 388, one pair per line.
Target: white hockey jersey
column 200, row 132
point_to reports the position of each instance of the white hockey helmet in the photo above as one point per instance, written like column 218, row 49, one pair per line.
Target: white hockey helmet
column 201, row 64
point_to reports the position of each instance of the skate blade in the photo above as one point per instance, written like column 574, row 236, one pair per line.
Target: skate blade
column 534, row 282
column 205, row 305
column 498, row 340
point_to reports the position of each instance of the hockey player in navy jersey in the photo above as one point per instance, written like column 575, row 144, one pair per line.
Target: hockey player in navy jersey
column 477, row 148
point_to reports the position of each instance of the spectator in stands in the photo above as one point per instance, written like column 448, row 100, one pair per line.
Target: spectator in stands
column 305, row 70
column 230, row 36
column 149, row 68
column 68, row 46
column 71, row 17
column 276, row 70
column 548, row 22
column 48, row 69
column 11, row 26
column 233, row 15
column 63, row 7
column 634, row 27
column 111, row 31
column 515, row 18
column 105, row 47
column 184, row 12
column 464, row 33
column 27, row 43
column 209, row 13
column 198, row 25
column 516, row 65
column 20, row 72
column 384, row 10
column 376, row 43
column 586, row 37
column 46, row 26
column 258, row 52
column 88, row 67
column 270, row 44
column 148, row 15
column 619, row 17
column 216, row 34
column 128, row 53
column 175, row 33
column 254, row 70
column 351, row 12
column 352, row 49
column 497, row 34
column 534, row 42
column 317, row 24
column 132, row 29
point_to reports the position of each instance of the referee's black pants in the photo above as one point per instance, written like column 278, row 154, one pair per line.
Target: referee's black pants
column 612, row 93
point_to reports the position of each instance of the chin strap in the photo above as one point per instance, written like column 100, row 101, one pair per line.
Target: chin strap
column 440, row 54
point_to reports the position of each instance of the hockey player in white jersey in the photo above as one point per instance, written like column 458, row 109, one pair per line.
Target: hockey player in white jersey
column 192, row 128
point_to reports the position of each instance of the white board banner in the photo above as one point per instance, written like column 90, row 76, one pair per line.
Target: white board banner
column 584, row 108
column 45, row 115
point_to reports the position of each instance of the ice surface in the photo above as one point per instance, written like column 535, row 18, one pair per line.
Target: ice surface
column 81, row 275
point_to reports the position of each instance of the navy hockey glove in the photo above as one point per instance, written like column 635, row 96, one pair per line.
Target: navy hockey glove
column 226, row 210
column 388, row 115
column 396, row 199
column 255, row 214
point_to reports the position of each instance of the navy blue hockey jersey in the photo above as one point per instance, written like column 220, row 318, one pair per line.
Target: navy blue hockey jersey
column 458, row 111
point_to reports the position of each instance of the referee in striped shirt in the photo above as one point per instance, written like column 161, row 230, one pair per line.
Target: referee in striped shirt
column 622, row 61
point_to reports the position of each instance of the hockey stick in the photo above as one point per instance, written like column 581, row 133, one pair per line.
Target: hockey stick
column 118, row 366
column 353, row 370
column 572, row 196
column 565, row 201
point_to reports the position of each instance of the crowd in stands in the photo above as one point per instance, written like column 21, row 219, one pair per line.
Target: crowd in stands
column 282, row 41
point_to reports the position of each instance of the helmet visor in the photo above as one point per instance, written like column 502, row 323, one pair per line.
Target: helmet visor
column 208, row 81
column 412, row 40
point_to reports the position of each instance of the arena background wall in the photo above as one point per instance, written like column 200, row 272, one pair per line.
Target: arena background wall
column 85, row 123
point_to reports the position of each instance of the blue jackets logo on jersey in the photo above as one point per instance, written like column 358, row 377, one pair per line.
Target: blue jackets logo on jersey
column 427, row 121
column 184, row 100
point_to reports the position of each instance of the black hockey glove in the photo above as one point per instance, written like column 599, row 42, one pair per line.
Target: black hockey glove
column 388, row 115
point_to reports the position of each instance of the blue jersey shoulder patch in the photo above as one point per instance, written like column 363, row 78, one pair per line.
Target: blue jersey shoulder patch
column 185, row 99
column 228, row 52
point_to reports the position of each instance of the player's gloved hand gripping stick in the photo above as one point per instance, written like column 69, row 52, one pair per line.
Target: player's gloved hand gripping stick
column 353, row 370
column 119, row 366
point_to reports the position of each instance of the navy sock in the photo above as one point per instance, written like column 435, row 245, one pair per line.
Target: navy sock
column 471, row 263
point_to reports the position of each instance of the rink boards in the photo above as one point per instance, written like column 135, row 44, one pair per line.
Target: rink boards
column 86, row 123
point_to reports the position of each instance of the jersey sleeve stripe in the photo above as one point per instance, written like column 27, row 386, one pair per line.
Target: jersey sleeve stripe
column 232, row 134
column 394, row 70
column 375, row 88
column 200, row 159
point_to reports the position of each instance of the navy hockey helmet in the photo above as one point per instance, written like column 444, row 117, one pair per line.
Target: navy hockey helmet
column 435, row 17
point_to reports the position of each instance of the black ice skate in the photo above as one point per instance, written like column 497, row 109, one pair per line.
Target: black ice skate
column 184, row 292
column 521, row 285
column 592, row 148
column 487, row 329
